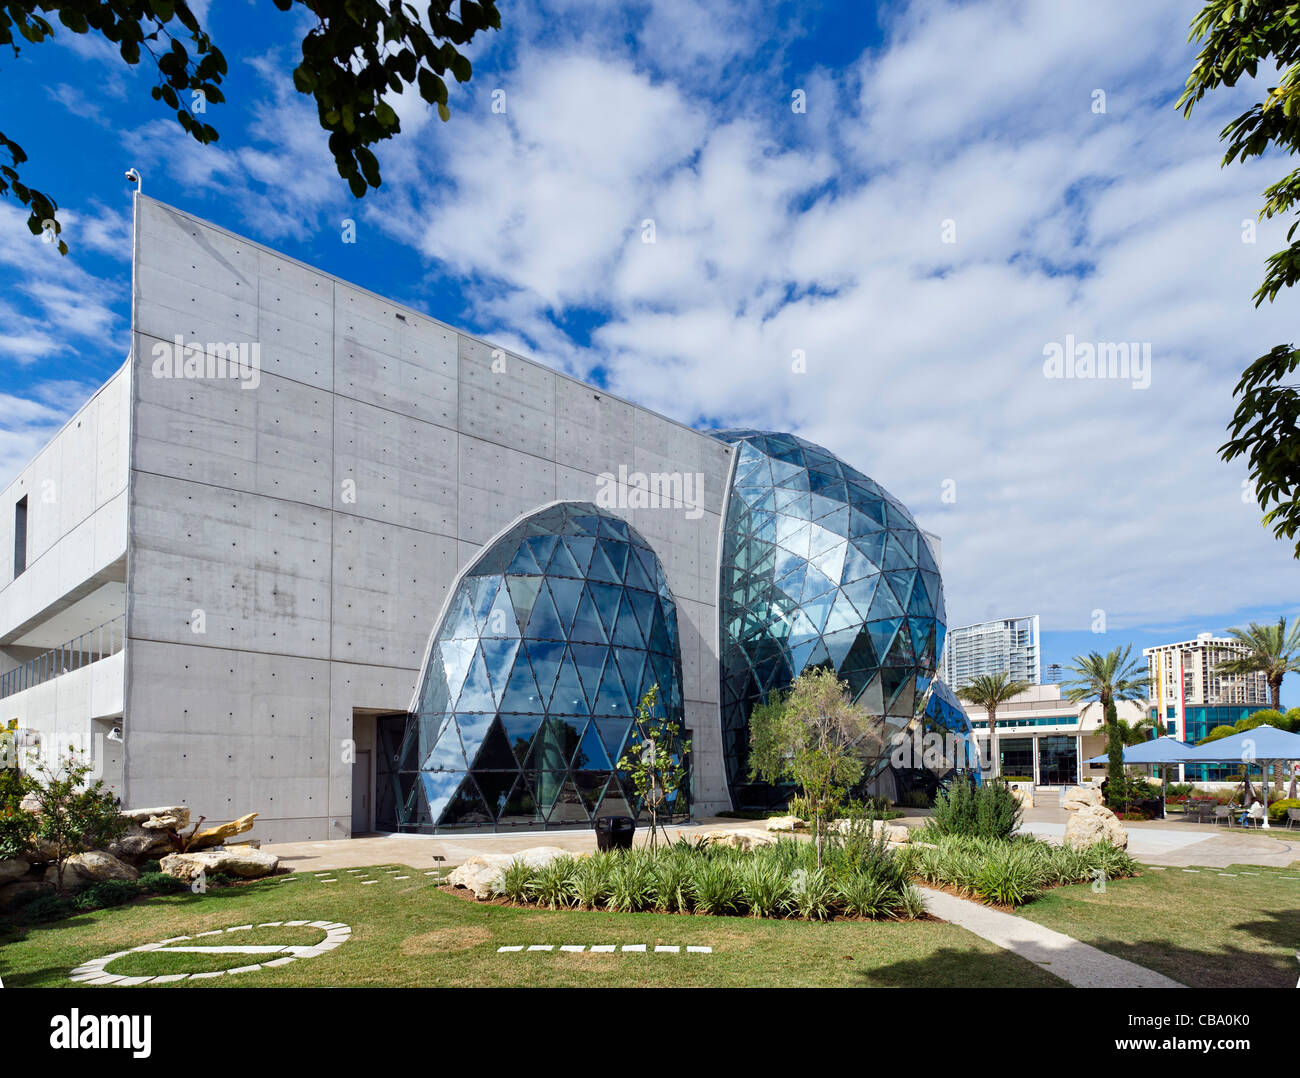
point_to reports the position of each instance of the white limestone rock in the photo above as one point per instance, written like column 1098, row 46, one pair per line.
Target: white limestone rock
column 483, row 872
column 1093, row 824
column 242, row 861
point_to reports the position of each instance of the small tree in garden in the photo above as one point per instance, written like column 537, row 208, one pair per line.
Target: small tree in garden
column 71, row 815
column 655, row 760
column 809, row 736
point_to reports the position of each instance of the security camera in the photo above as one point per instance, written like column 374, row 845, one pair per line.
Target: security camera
column 115, row 734
column 133, row 177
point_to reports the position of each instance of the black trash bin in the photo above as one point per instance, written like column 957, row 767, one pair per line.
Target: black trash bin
column 614, row 832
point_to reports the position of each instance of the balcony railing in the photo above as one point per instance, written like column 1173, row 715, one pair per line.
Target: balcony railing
column 91, row 646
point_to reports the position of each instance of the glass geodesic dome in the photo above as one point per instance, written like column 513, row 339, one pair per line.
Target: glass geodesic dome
column 821, row 566
column 550, row 640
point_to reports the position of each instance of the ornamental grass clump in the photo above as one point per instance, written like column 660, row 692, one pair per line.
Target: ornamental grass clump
column 672, row 882
column 631, row 883
column 516, row 880
column 765, row 888
column 552, row 885
column 717, row 887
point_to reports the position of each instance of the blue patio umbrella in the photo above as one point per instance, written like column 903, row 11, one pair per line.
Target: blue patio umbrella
column 1263, row 745
column 1160, row 750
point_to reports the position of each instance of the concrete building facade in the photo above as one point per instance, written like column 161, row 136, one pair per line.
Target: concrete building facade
column 228, row 564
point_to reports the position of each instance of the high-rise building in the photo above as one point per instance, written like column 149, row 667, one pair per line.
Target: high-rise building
column 1183, row 676
column 1008, row 646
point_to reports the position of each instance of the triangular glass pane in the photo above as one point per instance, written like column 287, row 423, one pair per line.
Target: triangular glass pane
column 628, row 632
column 521, row 694
column 613, row 698
column 542, row 547
column 581, row 546
column 562, row 563
column 613, row 735
column 500, row 620
column 586, row 625
column 591, row 755
column 499, row 657
column 524, row 562
column 523, row 594
column 447, row 754
column 591, row 787
column 519, row 732
column 566, row 593
column 600, row 567
column 456, row 657
column 496, row 787
column 569, row 806
column 483, row 593
column 616, row 553
column 494, row 754
column 476, row 695
column 546, row 656
column 545, row 622
column 520, row 808
column 568, row 698
column 590, row 661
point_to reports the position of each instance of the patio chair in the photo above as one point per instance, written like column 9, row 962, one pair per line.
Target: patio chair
column 1292, row 818
column 1224, row 813
column 1254, row 815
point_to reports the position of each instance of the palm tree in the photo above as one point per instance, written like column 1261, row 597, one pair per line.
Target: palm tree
column 1107, row 680
column 991, row 691
column 1136, row 732
column 1270, row 650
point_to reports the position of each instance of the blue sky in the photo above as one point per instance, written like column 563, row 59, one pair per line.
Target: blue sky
column 777, row 231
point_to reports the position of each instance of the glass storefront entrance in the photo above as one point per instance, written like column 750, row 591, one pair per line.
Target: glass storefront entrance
column 1017, row 757
column 1058, row 760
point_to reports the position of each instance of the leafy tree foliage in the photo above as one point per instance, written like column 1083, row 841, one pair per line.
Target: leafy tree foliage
column 72, row 815
column 357, row 54
column 655, row 760
column 1238, row 39
column 810, row 735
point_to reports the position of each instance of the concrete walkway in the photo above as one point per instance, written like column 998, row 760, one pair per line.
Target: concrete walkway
column 1076, row 963
column 419, row 851
column 1176, row 847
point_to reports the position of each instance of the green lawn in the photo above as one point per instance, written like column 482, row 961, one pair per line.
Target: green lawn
column 1202, row 928
column 407, row 933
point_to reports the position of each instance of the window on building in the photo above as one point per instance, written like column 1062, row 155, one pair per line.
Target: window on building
column 20, row 535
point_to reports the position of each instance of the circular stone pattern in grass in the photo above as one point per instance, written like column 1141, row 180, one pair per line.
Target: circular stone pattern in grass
column 219, row 953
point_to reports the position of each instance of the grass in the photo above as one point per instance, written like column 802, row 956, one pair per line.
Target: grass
column 1203, row 929
column 411, row 933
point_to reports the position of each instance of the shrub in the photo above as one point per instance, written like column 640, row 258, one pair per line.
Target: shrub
column 106, row 893
column 1112, row 862
column 159, row 883
column 987, row 811
column 46, row 908
column 911, row 904
column 1277, row 809
column 151, row 866
column 516, row 881
column 867, row 895
column 12, row 787
column 717, row 888
column 765, row 888
column 552, row 884
column 589, row 885
column 631, row 883
column 1010, row 876
column 814, row 894
column 672, row 882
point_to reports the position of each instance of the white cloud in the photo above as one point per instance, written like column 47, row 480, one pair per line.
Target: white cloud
column 925, row 360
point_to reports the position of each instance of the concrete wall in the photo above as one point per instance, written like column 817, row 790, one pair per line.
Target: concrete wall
column 292, row 543
column 76, row 515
